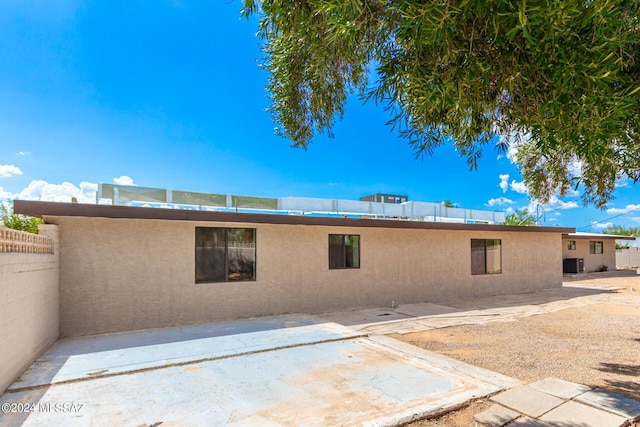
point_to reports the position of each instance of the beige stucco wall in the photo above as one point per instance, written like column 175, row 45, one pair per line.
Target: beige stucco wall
column 28, row 308
column 592, row 262
column 123, row 274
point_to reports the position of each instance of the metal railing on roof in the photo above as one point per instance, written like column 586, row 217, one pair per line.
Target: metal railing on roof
column 413, row 211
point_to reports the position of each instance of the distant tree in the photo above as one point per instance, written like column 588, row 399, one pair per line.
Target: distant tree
column 520, row 217
column 448, row 204
column 621, row 230
column 18, row 222
column 560, row 78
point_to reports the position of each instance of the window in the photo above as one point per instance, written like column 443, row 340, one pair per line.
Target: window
column 595, row 247
column 486, row 256
column 225, row 254
column 344, row 251
column 571, row 245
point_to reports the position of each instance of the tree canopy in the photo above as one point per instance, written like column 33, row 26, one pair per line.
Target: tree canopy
column 558, row 78
column 520, row 217
column 621, row 230
column 17, row 222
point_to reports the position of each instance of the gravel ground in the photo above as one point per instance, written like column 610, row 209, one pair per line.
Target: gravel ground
column 597, row 345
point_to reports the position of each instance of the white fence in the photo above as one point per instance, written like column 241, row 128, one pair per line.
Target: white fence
column 629, row 257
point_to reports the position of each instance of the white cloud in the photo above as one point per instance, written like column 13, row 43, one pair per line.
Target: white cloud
column 513, row 141
column 123, row 180
column 4, row 195
column 504, row 182
column 575, row 167
column 22, row 153
column 628, row 208
column 509, row 210
column 499, row 202
column 600, row 226
column 573, row 193
column 553, row 204
column 7, row 171
column 42, row 190
column 622, row 182
column 518, row 187
column 511, row 153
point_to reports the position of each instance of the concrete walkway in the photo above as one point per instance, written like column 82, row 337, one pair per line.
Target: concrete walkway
column 406, row 319
column 554, row 402
column 291, row 370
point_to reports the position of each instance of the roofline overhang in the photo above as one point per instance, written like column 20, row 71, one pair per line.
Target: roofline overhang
column 592, row 236
column 54, row 209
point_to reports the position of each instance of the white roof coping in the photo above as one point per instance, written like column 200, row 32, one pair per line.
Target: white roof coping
column 579, row 234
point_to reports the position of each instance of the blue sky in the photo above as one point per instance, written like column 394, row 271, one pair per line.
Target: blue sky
column 169, row 94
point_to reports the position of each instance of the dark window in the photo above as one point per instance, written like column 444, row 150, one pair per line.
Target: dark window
column 344, row 251
column 595, row 247
column 486, row 256
column 571, row 245
column 225, row 254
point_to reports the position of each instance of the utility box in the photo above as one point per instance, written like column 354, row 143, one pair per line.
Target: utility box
column 573, row 265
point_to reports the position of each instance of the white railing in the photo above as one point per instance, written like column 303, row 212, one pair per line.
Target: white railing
column 23, row 242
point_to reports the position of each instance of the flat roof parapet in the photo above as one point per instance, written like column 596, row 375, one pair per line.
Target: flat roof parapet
column 55, row 209
column 374, row 206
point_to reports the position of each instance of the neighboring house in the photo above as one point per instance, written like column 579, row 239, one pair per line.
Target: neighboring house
column 125, row 268
column 597, row 252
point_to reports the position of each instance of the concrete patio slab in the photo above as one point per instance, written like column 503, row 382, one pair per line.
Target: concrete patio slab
column 530, row 422
column 527, row 400
column 69, row 360
column 496, row 416
column 576, row 414
column 611, row 402
column 325, row 375
column 559, row 388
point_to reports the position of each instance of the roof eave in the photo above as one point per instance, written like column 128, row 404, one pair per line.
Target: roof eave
column 55, row 209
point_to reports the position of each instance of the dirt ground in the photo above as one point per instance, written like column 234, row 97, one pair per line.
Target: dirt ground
column 597, row 345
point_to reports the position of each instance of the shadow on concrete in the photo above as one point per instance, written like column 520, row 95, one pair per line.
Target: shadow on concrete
column 21, row 405
column 561, row 424
column 601, row 275
column 146, row 337
column 84, row 358
column 629, row 388
column 567, row 292
column 407, row 318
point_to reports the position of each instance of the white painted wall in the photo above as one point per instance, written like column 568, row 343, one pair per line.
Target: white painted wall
column 628, row 257
column 29, row 307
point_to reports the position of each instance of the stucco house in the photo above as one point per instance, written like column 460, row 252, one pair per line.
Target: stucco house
column 124, row 267
column 589, row 252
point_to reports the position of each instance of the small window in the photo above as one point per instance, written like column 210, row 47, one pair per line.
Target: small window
column 595, row 247
column 571, row 245
column 344, row 251
column 225, row 254
column 486, row 256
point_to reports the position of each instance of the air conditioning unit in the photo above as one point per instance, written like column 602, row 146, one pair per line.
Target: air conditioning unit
column 573, row 265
